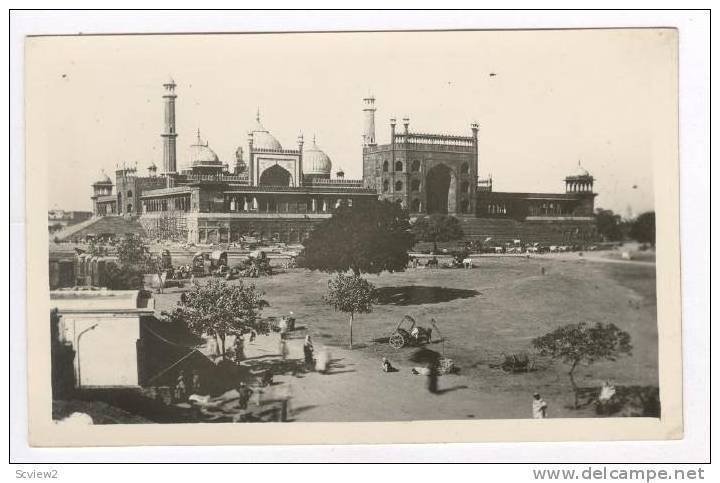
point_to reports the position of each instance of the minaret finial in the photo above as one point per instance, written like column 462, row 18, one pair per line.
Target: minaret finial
column 313, row 138
column 257, row 116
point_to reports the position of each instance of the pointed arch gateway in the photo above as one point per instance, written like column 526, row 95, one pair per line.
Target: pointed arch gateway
column 440, row 186
column 275, row 175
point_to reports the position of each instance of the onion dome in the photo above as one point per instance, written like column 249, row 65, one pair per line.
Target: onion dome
column 202, row 155
column 315, row 161
column 580, row 171
column 262, row 139
column 104, row 180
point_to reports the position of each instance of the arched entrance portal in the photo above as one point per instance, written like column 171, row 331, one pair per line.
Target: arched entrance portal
column 440, row 188
column 275, row 176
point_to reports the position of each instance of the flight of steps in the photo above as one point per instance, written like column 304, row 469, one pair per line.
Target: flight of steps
column 503, row 230
column 500, row 229
column 102, row 225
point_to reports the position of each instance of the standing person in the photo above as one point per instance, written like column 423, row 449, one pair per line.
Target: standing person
column 196, row 381
column 285, row 397
column 239, row 348
column 308, row 351
column 323, row 361
column 283, row 348
column 244, row 395
column 539, row 407
column 432, row 378
column 180, row 391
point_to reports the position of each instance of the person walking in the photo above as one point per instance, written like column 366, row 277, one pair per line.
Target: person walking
column 539, row 407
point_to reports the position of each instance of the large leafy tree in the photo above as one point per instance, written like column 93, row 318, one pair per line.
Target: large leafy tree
column 643, row 229
column 437, row 228
column 609, row 225
column 97, row 249
column 352, row 295
column 123, row 277
column 368, row 237
column 135, row 256
column 218, row 309
column 583, row 343
column 132, row 250
column 133, row 261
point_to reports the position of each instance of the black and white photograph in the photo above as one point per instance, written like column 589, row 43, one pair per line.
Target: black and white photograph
column 357, row 227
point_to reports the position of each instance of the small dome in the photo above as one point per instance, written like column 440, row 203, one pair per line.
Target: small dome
column 104, row 179
column 315, row 161
column 262, row 139
column 152, row 167
column 202, row 155
column 580, row 171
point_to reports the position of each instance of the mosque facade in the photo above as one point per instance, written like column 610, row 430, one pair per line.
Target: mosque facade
column 279, row 193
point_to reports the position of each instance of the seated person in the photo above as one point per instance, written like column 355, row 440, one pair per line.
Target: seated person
column 386, row 366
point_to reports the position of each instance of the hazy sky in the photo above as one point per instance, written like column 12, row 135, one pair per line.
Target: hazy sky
column 557, row 97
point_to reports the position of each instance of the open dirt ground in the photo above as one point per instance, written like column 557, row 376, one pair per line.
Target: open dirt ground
column 497, row 307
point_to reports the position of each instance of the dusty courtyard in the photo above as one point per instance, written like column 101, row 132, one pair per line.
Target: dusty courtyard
column 496, row 308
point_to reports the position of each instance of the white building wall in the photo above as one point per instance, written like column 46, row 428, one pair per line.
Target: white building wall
column 107, row 354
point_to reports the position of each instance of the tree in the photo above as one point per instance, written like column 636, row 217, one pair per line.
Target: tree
column 437, row 228
column 132, row 250
column 609, row 225
column 218, row 309
column 643, row 229
column 583, row 343
column 134, row 255
column 123, row 277
column 368, row 237
column 97, row 249
column 352, row 295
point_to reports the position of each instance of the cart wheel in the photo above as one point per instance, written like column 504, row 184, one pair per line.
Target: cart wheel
column 396, row 341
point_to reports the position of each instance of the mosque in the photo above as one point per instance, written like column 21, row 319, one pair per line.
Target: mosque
column 278, row 193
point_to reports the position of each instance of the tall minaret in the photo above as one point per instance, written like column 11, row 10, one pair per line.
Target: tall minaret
column 369, row 127
column 169, row 135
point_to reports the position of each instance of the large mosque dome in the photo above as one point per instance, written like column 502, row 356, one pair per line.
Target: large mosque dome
column 315, row 161
column 262, row 139
column 202, row 155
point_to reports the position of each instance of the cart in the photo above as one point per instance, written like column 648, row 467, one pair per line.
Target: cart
column 408, row 332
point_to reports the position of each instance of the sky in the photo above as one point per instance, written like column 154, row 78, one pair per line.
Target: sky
column 600, row 97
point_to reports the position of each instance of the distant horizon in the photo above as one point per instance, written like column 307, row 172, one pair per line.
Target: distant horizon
column 543, row 109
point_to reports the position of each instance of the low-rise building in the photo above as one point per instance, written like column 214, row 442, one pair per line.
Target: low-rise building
column 102, row 327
